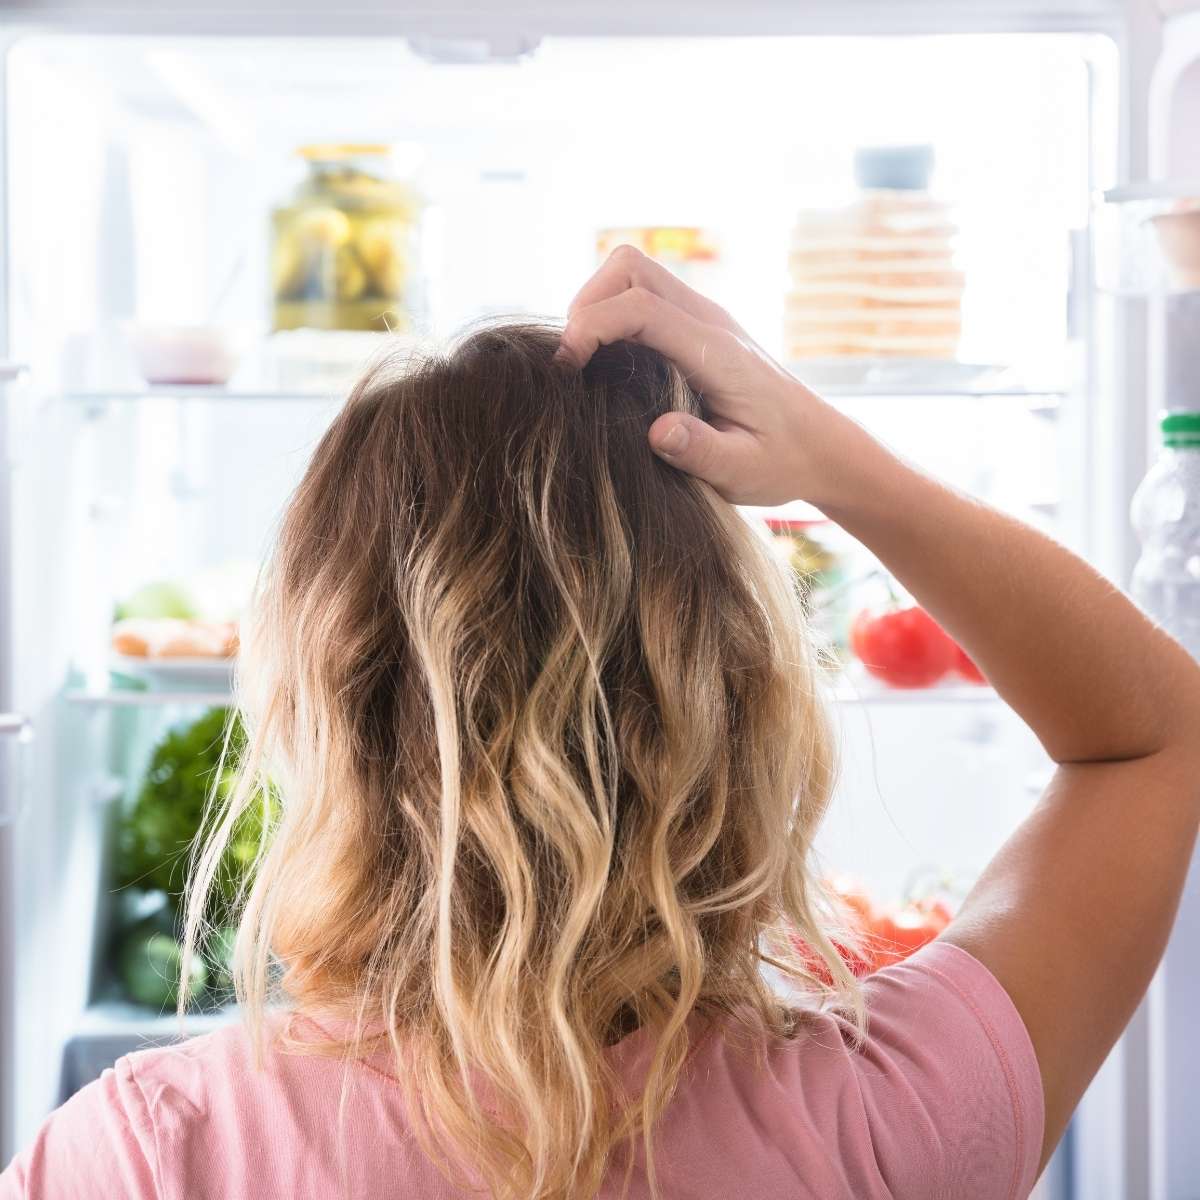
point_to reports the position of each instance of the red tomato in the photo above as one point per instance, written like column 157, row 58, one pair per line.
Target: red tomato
column 859, row 964
column 898, row 932
column 964, row 664
column 905, row 647
column 857, row 914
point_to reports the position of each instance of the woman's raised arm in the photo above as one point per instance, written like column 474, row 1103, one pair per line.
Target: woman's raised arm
column 1073, row 913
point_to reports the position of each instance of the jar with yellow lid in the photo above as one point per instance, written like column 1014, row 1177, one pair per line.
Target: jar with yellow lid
column 345, row 247
column 818, row 553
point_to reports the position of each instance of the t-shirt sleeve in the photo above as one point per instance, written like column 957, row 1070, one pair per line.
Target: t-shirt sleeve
column 100, row 1145
column 950, row 1082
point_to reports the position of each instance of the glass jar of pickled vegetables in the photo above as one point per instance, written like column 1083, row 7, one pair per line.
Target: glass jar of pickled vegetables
column 815, row 552
column 344, row 249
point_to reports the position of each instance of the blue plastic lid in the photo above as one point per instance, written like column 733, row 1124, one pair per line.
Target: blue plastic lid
column 907, row 168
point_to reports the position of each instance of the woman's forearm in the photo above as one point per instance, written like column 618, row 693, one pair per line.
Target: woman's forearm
column 1091, row 676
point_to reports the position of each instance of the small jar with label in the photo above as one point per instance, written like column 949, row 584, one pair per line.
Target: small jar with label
column 688, row 251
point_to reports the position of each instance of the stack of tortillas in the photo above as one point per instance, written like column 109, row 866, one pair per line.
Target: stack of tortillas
column 876, row 277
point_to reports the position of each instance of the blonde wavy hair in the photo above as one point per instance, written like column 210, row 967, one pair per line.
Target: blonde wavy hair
column 549, row 748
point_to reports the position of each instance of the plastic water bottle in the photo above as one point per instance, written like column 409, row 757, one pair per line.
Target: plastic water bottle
column 1166, row 515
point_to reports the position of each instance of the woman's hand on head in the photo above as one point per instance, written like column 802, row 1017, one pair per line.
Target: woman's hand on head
column 761, row 443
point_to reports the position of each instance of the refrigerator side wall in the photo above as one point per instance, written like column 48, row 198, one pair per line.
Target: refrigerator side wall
column 48, row 857
column 8, row 832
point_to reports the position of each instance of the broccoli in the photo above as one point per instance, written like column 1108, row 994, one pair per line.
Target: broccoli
column 157, row 832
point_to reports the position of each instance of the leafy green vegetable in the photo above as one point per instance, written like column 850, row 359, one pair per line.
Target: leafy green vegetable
column 150, row 963
column 163, row 598
column 156, row 834
column 220, row 961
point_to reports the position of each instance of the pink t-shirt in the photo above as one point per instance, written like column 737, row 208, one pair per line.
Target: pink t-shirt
column 944, row 1100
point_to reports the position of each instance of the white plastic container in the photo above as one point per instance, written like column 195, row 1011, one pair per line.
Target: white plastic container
column 186, row 354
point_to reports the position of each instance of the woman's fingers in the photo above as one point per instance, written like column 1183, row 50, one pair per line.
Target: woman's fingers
column 746, row 449
column 627, row 267
column 706, row 355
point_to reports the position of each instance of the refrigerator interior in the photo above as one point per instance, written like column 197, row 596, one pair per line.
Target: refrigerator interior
column 142, row 171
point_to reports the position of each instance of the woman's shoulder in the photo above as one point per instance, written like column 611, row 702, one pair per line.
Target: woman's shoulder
column 943, row 1087
column 188, row 1069
column 214, row 1115
column 101, row 1142
column 227, row 1070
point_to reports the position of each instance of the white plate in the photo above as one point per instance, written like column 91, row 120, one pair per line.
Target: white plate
column 177, row 672
column 911, row 376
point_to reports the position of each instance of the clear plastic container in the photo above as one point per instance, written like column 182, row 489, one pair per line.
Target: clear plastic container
column 345, row 247
column 1166, row 515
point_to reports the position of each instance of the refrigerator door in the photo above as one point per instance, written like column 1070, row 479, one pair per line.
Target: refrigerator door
column 1173, row 1042
column 1135, row 1130
column 15, row 735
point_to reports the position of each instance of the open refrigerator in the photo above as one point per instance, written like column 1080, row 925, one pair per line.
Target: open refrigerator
column 146, row 162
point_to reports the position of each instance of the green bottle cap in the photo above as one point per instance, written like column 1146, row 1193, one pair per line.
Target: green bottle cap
column 1181, row 430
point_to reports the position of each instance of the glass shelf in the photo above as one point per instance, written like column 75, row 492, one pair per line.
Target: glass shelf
column 1039, row 398
column 845, row 691
column 121, row 1018
column 883, row 377
column 860, row 693
column 225, row 395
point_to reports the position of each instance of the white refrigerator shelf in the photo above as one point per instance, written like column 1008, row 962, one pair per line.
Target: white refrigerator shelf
column 129, row 698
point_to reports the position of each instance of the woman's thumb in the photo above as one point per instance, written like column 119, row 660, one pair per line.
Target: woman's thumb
column 690, row 444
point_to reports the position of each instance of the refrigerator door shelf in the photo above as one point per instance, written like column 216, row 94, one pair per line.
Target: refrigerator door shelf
column 16, row 732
